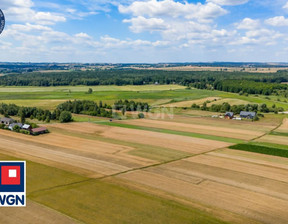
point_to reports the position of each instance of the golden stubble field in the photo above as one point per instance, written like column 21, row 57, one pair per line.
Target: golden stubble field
column 250, row 186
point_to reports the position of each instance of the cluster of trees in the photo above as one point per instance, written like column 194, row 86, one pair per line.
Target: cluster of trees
column 92, row 108
column 248, row 86
column 131, row 106
column 33, row 113
column 135, row 77
column 222, row 108
column 26, row 112
column 87, row 107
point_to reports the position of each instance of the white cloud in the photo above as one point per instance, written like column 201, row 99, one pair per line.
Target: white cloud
column 260, row 37
column 277, row 21
column 169, row 8
column 28, row 27
column 22, row 11
column 228, row 2
column 140, row 24
column 285, row 6
column 83, row 35
column 248, row 24
column 16, row 3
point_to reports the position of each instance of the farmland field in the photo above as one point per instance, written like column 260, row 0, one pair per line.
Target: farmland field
column 174, row 169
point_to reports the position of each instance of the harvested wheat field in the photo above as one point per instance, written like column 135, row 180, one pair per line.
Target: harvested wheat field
column 190, row 102
column 261, row 170
column 196, row 128
column 258, row 206
column 284, row 127
column 282, row 140
column 33, row 213
column 221, row 123
column 251, row 157
column 253, row 190
column 96, row 157
column 176, row 142
column 85, row 147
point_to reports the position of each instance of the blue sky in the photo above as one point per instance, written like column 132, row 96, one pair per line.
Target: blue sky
column 144, row 31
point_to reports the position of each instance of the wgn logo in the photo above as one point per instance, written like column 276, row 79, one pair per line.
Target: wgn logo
column 13, row 184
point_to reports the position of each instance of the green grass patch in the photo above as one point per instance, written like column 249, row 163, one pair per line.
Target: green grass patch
column 102, row 202
column 271, row 145
column 166, row 131
column 261, row 149
column 279, row 133
column 41, row 177
column 21, row 89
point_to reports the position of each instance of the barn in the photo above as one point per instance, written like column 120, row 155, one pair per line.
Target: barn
column 248, row 115
column 38, row 131
column 229, row 115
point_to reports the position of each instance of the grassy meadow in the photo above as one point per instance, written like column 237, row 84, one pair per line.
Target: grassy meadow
column 158, row 95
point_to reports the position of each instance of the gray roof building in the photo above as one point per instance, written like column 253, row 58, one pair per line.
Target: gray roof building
column 246, row 114
column 229, row 114
column 6, row 120
column 11, row 126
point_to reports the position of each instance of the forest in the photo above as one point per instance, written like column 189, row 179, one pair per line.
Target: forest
column 236, row 82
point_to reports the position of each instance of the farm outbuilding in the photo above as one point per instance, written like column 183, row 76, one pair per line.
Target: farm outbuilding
column 27, row 127
column 11, row 126
column 248, row 115
column 6, row 121
column 37, row 131
column 229, row 115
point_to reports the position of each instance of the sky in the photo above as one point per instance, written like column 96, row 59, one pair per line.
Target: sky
column 144, row 31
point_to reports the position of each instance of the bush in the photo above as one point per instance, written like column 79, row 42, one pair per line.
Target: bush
column 65, row 117
column 25, row 132
column 16, row 128
column 141, row 116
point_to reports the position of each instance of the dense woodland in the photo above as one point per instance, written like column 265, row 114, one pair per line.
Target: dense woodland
column 237, row 82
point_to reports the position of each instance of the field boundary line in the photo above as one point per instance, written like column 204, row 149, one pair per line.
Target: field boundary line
column 54, row 210
column 59, row 186
column 268, row 133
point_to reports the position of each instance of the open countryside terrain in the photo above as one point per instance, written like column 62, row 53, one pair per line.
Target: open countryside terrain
column 175, row 169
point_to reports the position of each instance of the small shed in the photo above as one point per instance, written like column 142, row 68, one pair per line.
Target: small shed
column 248, row 115
column 6, row 121
column 27, row 127
column 38, row 131
column 229, row 115
column 11, row 126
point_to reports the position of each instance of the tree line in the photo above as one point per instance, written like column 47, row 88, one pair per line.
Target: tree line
column 34, row 113
column 135, row 77
column 236, row 109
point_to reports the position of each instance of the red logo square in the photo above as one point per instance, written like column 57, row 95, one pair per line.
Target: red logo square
column 10, row 175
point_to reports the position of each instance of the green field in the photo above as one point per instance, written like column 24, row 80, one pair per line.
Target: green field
column 261, row 149
column 50, row 97
column 109, row 203
column 88, row 200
